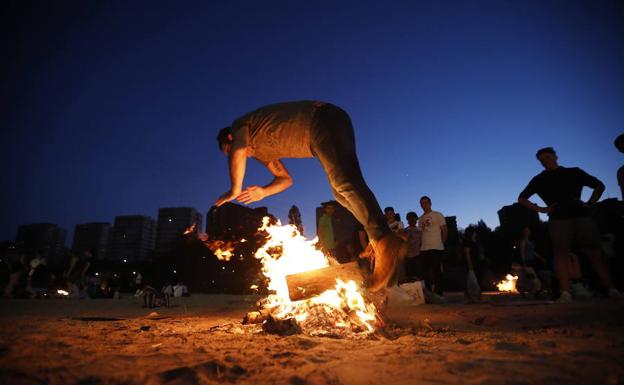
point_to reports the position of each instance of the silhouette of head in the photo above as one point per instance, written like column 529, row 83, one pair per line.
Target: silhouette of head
column 547, row 157
column 389, row 211
column 470, row 233
column 619, row 142
column 412, row 218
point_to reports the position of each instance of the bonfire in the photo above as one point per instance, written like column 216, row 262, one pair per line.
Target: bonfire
column 341, row 311
column 508, row 284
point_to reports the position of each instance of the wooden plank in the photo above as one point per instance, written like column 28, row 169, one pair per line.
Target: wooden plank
column 310, row 283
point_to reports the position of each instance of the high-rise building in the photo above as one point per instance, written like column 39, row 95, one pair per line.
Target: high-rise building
column 514, row 217
column 92, row 236
column 46, row 239
column 233, row 222
column 132, row 238
column 172, row 222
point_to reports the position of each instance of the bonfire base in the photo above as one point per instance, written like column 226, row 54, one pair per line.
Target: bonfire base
column 283, row 327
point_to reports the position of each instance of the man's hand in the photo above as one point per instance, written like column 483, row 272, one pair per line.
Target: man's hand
column 547, row 209
column 226, row 197
column 251, row 194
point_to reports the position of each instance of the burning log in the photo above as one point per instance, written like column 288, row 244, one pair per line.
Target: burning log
column 314, row 282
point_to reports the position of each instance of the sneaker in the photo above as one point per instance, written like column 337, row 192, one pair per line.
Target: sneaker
column 614, row 293
column 388, row 250
column 565, row 297
column 579, row 291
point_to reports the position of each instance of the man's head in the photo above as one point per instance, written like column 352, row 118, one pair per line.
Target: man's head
column 619, row 142
column 470, row 233
column 547, row 157
column 412, row 218
column 329, row 208
column 389, row 211
column 224, row 138
column 425, row 203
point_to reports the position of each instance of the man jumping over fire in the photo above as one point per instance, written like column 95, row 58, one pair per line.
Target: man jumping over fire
column 308, row 129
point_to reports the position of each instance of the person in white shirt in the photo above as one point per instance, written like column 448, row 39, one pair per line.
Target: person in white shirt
column 434, row 234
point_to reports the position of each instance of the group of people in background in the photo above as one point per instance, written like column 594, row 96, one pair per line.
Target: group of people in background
column 32, row 277
column 425, row 235
column 571, row 230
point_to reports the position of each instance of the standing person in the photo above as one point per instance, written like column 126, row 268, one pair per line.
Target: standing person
column 413, row 234
column 393, row 220
column 308, row 129
column 533, row 264
column 16, row 263
column 294, row 218
column 434, row 234
column 568, row 217
column 619, row 144
column 325, row 230
column 470, row 251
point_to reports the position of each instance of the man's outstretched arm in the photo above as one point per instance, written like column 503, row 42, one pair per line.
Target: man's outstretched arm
column 281, row 181
column 238, row 164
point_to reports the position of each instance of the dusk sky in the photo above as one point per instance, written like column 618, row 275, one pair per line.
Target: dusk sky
column 112, row 107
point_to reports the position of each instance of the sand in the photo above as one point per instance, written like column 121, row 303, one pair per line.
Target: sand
column 508, row 340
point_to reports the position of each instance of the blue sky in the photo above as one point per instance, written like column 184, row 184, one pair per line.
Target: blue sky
column 112, row 108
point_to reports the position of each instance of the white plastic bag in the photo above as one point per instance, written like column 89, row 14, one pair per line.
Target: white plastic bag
column 473, row 291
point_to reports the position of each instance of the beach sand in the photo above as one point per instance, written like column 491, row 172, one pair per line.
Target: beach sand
column 200, row 340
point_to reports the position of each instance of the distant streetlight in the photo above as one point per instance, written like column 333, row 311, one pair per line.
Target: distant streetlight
column 175, row 272
column 125, row 260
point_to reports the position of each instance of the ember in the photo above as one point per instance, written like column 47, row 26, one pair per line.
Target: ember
column 341, row 311
column 223, row 250
column 190, row 229
column 508, row 284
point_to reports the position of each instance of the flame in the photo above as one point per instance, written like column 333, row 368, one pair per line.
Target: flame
column 223, row 255
column 287, row 252
column 190, row 229
column 508, row 284
column 62, row 292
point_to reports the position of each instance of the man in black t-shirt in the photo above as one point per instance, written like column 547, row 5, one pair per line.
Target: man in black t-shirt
column 569, row 222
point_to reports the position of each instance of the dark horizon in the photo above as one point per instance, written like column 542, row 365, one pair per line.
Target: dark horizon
column 113, row 108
